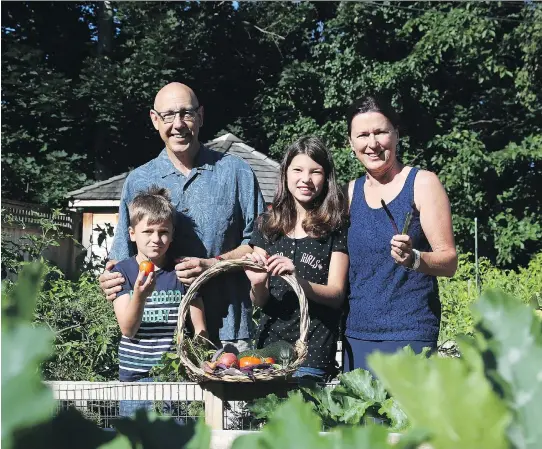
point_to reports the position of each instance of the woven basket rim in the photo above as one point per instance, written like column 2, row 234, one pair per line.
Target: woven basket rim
column 300, row 346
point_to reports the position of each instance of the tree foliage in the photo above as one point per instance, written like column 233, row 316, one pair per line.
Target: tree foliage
column 466, row 78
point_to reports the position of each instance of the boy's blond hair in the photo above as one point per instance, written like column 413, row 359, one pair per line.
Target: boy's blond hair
column 155, row 204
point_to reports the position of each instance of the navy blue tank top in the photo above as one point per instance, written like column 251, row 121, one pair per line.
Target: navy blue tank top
column 386, row 301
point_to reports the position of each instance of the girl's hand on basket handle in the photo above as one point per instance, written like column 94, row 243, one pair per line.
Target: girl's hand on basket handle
column 257, row 277
column 278, row 265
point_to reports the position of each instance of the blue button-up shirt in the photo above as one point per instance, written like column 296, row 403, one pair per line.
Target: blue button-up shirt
column 217, row 204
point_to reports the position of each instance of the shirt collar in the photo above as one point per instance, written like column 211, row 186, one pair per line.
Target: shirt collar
column 163, row 164
column 204, row 161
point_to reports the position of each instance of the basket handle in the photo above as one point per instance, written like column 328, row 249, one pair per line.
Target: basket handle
column 226, row 265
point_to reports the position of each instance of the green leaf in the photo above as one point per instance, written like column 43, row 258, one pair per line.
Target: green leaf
column 294, row 425
column 263, row 408
column 250, row 441
column 413, row 439
column 18, row 305
column 202, row 436
column 325, row 406
column 352, row 410
column 432, row 392
column 361, row 384
column 159, row 432
column 121, row 442
column 395, row 414
column 513, row 335
column 360, row 437
column 26, row 401
column 67, row 430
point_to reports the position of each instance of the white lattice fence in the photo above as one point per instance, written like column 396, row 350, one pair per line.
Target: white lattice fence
column 100, row 401
column 183, row 401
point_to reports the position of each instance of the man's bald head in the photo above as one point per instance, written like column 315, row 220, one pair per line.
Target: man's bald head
column 174, row 91
column 180, row 134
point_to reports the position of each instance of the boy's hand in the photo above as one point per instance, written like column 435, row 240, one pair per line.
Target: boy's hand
column 142, row 290
column 111, row 283
column 189, row 268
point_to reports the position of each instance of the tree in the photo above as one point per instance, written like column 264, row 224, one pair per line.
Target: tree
column 464, row 78
column 40, row 53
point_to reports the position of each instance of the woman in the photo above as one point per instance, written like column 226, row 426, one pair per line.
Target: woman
column 393, row 287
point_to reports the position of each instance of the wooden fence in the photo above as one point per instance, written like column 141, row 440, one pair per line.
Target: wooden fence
column 21, row 220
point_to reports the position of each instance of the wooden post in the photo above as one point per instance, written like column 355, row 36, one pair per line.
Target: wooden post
column 213, row 393
column 216, row 393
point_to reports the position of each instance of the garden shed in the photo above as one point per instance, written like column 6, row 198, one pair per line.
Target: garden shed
column 98, row 204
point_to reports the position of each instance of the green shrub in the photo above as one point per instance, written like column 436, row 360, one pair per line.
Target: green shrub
column 459, row 292
column 85, row 330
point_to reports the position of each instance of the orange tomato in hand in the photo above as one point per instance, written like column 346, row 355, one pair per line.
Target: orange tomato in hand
column 147, row 267
column 269, row 360
column 245, row 362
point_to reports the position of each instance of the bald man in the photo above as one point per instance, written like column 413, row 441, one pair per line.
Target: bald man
column 217, row 198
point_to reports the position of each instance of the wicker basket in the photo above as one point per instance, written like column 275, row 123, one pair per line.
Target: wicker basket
column 198, row 374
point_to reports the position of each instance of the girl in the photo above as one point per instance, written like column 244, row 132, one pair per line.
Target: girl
column 302, row 234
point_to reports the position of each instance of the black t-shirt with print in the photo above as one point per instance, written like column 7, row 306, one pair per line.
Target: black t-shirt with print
column 280, row 317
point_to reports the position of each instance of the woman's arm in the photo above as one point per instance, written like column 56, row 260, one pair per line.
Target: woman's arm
column 436, row 220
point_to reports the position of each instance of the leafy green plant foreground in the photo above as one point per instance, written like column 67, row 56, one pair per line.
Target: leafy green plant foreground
column 487, row 399
column 358, row 399
column 28, row 404
column 490, row 397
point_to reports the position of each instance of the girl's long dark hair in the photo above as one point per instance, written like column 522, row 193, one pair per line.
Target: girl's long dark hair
column 327, row 213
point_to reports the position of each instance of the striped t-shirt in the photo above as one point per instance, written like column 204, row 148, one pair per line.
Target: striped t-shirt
column 155, row 335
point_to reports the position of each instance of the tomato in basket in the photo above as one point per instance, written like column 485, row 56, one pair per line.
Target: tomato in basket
column 246, row 362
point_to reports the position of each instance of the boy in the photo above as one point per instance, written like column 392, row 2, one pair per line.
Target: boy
column 147, row 309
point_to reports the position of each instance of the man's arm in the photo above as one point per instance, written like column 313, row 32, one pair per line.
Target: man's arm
column 252, row 202
column 120, row 249
column 111, row 283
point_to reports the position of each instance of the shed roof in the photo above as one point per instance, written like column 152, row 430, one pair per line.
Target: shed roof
column 265, row 169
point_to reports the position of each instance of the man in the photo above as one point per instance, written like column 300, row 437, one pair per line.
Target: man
column 217, row 199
